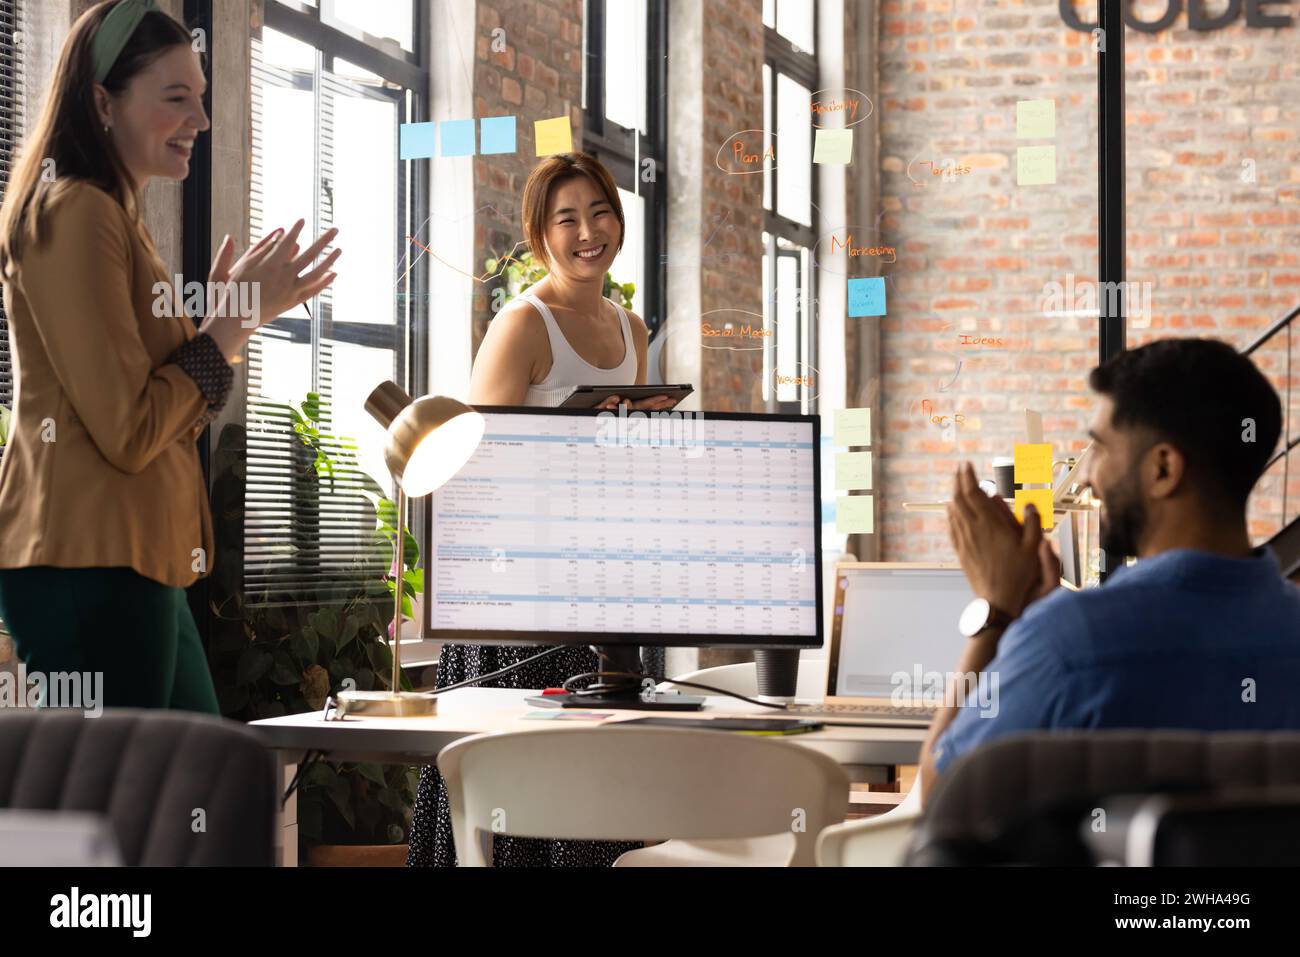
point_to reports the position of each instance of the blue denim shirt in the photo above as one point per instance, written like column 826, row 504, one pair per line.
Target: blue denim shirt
column 1184, row 639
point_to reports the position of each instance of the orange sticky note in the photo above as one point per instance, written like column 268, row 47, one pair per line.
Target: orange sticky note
column 553, row 136
column 1033, row 463
column 1041, row 499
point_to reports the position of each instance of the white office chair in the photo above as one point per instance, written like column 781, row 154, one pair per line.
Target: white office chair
column 742, row 678
column 636, row 784
column 878, row 841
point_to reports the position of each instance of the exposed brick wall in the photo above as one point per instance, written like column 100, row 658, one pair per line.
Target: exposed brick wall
column 975, row 253
column 540, row 74
column 537, row 76
column 732, row 379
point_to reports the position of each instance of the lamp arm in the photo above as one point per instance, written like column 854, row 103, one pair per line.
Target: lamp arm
column 398, row 590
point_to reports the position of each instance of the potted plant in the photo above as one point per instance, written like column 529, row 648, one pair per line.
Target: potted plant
column 285, row 648
column 523, row 270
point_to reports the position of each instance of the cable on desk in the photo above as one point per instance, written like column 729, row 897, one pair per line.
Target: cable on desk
column 599, row 689
column 497, row 674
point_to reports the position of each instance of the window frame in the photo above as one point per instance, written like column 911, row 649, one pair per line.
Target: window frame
column 781, row 56
column 407, row 85
column 607, row 141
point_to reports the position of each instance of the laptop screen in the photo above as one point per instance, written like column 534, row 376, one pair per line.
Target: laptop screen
column 897, row 620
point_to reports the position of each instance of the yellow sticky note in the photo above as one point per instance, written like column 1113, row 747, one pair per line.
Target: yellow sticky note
column 855, row 515
column 553, row 136
column 1035, row 119
column 1041, row 499
column 1033, row 463
column 852, row 427
column 833, row 146
column 852, row 470
column 1035, row 165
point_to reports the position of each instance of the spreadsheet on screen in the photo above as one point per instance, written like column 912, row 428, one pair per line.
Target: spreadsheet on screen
column 552, row 527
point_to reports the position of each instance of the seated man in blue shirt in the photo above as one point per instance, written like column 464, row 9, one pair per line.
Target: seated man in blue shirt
column 1202, row 633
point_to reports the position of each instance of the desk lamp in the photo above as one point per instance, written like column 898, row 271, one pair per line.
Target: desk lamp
column 429, row 440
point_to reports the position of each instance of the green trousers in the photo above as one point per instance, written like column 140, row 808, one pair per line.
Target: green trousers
column 138, row 633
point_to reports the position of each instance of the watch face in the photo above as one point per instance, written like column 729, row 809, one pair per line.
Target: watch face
column 974, row 618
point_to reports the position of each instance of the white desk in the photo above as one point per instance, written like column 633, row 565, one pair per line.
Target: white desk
column 484, row 710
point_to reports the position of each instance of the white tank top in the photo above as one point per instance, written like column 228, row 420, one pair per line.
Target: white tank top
column 568, row 369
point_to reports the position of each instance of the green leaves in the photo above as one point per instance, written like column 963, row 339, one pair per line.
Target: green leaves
column 281, row 649
column 525, row 270
column 5, row 417
column 253, row 663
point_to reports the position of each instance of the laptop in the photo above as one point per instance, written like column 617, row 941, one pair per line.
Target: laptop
column 894, row 625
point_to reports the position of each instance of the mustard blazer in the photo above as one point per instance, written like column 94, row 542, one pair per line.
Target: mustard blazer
column 101, row 466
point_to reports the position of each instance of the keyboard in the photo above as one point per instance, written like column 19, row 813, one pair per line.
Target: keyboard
column 884, row 710
column 883, row 715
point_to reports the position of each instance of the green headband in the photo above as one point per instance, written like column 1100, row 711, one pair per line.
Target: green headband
column 114, row 33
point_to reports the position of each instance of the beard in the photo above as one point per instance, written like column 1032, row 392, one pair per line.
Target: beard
column 1123, row 517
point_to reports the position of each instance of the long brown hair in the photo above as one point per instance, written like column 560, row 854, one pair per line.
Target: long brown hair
column 70, row 133
column 545, row 177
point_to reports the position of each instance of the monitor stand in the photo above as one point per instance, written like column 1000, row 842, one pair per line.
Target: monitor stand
column 626, row 694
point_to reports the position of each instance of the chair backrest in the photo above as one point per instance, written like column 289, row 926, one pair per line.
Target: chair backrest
column 742, row 678
column 1232, row 828
column 615, row 783
column 178, row 788
column 1051, row 778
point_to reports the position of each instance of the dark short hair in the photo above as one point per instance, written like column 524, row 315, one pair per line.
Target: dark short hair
column 1196, row 394
column 548, row 174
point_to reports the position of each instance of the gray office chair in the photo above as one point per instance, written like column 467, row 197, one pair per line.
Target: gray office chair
column 178, row 788
column 1032, row 798
column 1236, row 828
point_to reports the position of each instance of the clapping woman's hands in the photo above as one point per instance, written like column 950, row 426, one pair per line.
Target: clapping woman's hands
column 275, row 268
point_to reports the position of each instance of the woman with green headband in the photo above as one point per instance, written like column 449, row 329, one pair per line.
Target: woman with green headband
column 104, row 516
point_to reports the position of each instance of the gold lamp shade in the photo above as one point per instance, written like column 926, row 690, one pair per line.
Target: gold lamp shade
column 429, row 440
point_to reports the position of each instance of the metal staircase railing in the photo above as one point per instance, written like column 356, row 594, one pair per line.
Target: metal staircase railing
column 1286, row 543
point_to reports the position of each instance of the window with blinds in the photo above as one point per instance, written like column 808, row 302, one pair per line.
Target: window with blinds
column 325, row 134
column 11, row 125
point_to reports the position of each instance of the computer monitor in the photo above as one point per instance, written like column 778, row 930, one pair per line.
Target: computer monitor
column 891, row 619
column 580, row 527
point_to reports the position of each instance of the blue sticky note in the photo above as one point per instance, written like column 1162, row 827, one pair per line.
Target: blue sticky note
column 867, row 297
column 416, row 140
column 457, row 137
column 497, row 134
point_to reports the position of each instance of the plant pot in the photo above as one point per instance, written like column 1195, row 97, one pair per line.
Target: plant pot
column 357, row 855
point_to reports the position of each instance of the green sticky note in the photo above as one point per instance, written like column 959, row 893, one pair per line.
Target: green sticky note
column 852, row 427
column 1035, row 165
column 852, row 470
column 553, row 136
column 1035, row 119
column 833, row 146
column 855, row 515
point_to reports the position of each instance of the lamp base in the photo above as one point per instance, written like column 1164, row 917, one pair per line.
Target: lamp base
column 386, row 704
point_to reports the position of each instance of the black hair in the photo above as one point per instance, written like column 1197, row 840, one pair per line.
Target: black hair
column 1198, row 394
